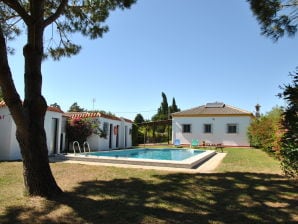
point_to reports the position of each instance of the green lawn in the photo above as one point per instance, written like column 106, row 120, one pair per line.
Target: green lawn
column 249, row 160
column 246, row 188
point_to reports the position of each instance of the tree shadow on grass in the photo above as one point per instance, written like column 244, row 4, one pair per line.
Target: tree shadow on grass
column 171, row 198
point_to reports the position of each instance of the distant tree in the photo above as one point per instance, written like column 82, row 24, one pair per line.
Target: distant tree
column 276, row 17
column 164, row 107
column 137, row 130
column 160, row 133
column 33, row 17
column 56, row 105
column 266, row 132
column 163, row 110
column 289, row 151
column 139, row 119
column 76, row 108
column 174, row 108
column 135, row 134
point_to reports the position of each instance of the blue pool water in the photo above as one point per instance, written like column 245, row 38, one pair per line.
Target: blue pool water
column 146, row 153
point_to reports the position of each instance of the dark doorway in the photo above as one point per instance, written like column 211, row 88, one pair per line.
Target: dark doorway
column 111, row 136
column 125, row 137
column 117, row 135
column 54, row 140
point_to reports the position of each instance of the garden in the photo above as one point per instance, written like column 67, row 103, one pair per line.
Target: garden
column 248, row 185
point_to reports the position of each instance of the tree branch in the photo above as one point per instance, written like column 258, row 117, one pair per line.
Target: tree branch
column 15, row 5
column 58, row 12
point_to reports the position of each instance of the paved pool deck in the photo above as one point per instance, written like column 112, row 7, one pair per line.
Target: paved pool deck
column 207, row 167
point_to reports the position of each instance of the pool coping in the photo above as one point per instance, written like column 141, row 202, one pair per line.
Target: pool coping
column 190, row 163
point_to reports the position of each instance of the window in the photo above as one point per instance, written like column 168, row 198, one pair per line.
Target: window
column 186, row 128
column 232, row 128
column 207, row 128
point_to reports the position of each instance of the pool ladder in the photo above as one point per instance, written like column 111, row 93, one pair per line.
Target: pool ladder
column 77, row 144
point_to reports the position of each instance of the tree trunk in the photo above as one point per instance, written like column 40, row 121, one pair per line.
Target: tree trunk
column 38, row 178
column 29, row 115
column 31, row 135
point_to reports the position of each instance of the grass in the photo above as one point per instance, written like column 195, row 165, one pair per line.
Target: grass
column 249, row 160
column 246, row 188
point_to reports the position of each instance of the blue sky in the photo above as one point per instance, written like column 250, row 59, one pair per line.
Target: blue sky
column 197, row 51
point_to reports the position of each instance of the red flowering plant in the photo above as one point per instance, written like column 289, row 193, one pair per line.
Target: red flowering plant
column 78, row 129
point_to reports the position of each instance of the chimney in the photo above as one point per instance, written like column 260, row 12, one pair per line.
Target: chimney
column 258, row 106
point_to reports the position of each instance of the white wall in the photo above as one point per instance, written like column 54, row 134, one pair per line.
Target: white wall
column 15, row 152
column 5, row 133
column 49, row 126
column 219, row 130
column 9, row 147
column 124, row 134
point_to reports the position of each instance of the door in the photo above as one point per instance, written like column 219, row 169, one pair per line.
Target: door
column 54, row 132
column 111, row 137
column 125, row 137
column 116, row 132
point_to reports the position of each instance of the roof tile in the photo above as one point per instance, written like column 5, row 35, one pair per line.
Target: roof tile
column 90, row 115
column 53, row 109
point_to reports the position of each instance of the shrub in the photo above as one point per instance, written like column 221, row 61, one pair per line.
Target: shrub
column 266, row 132
column 289, row 151
column 79, row 129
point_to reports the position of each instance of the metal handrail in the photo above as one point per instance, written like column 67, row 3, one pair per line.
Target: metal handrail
column 88, row 147
column 73, row 146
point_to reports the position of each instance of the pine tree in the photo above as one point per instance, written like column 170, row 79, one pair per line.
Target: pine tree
column 34, row 16
column 276, row 17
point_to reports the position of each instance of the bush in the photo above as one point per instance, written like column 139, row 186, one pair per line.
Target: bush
column 289, row 151
column 266, row 132
column 289, row 161
column 78, row 129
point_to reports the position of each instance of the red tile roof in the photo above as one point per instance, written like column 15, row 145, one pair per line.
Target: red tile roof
column 90, row 115
column 53, row 109
column 79, row 114
column 95, row 114
column 127, row 120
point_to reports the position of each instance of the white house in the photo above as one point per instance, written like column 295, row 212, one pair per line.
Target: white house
column 9, row 147
column 213, row 123
column 118, row 131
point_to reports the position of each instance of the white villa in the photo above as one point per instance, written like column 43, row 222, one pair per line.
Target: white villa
column 118, row 131
column 213, row 123
column 9, row 146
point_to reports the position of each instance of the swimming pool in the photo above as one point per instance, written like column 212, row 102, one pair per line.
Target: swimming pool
column 145, row 153
column 175, row 158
